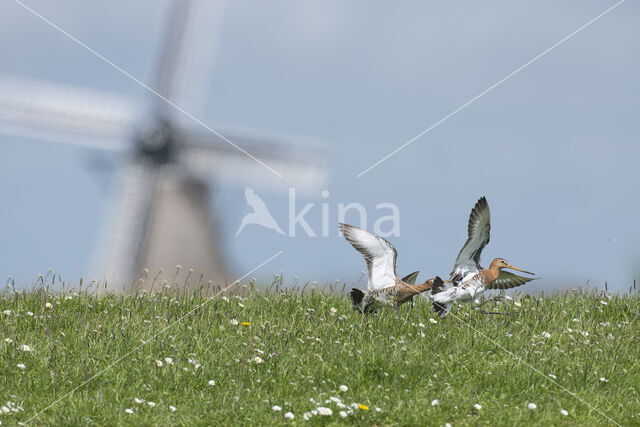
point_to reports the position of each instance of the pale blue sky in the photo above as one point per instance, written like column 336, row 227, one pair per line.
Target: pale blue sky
column 555, row 148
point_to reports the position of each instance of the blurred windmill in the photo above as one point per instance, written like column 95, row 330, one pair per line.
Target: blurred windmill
column 159, row 215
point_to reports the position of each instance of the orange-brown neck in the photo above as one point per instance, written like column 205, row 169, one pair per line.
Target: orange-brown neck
column 490, row 274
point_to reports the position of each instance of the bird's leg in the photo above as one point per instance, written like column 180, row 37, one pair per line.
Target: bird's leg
column 492, row 299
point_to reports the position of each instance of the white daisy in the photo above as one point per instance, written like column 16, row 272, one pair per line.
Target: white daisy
column 324, row 411
column 129, row 411
column 48, row 305
column 604, row 380
column 289, row 415
column 546, row 335
column 532, row 405
column 258, row 359
column 477, row 406
column 212, row 382
column 168, row 360
column 333, row 310
column 25, row 347
column 234, row 322
column 433, row 320
column 159, row 363
column 343, row 414
column 172, row 408
column 138, row 401
column 307, row 416
column 344, row 388
column 276, row 408
column 553, row 377
column 564, row 412
column 151, row 404
column 435, row 402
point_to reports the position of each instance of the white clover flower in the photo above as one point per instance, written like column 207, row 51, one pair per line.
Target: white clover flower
column 289, row 415
column 234, row 322
column 48, row 305
column 25, row 347
column 151, row 404
column 307, row 416
column 435, row 402
column 343, row 414
column 344, row 388
column 212, row 382
column 258, row 359
column 546, row 335
column 477, row 406
column 172, row 408
column 159, row 363
column 532, row 405
column 276, row 408
column 21, row 366
column 138, row 401
column 129, row 411
column 432, row 320
column 324, row 411
column 564, row 412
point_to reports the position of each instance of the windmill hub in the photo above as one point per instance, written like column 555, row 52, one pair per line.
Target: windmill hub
column 157, row 141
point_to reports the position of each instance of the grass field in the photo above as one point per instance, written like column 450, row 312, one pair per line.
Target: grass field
column 236, row 360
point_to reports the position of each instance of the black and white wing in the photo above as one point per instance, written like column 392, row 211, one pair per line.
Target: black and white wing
column 479, row 227
column 508, row 280
column 379, row 254
column 411, row 278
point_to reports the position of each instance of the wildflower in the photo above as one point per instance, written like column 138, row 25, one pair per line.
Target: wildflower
column 258, row 359
column 25, row 347
column 532, row 405
column 603, row 302
column 21, row 366
column 553, row 377
column 212, row 382
column 159, row 363
column 517, row 304
column 151, row 404
column 324, row 411
column 435, row 402
column 246, row 323
column 477, row 406
column 378, row 409
column 48, row 305
column 604, row 380
column 62, row 333
column 8, row 340
column 564, row 412
column 241, row 305
column 129, row 411
column 432, row 320
column 546, row 335
column 276, row 408
column 363, row 407
column 343, row 414
column 172, row 408
column 7, row 312
column 344, row 388
column 30, row 313
column 289, row 415
column 333, row 310
column 234, row 322
column 138, row 401
column 307, row 416
column 168, row 360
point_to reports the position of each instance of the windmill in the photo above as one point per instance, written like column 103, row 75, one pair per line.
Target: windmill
column 159, row 214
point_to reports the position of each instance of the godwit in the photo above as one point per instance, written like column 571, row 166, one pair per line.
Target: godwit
column 384, row 287
column 468, row 278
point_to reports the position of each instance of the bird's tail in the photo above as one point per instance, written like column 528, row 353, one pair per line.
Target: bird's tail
column 356, row 299
column 437, row 286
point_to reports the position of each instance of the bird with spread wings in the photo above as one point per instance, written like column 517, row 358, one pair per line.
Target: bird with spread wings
column 468, row 279
column 384, row 288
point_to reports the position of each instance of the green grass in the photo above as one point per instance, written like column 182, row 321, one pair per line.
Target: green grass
column 398, row 362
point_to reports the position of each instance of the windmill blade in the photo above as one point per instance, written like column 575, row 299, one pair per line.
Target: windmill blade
column 188, row 54
column 117, row 255
column 208, row 155
column 65, row 114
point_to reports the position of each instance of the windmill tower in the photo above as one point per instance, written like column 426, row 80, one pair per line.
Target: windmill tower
column 159, row 215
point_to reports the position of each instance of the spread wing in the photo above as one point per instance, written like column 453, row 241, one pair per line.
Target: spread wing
column 508, row 280
column 411, row 278
column 479, row 227
column 379, row 254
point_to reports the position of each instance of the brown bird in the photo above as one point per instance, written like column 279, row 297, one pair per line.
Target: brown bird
column 384, row 286
column 468, row 278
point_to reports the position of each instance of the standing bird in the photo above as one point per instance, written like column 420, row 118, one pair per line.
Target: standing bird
column 384, row 287
column 468, row 278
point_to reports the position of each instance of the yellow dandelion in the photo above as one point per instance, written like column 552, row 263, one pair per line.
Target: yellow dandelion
column 246, row 323
column 363, row 407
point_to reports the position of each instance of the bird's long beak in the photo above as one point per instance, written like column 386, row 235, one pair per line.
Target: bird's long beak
column 519, row 269
column 447, row 281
